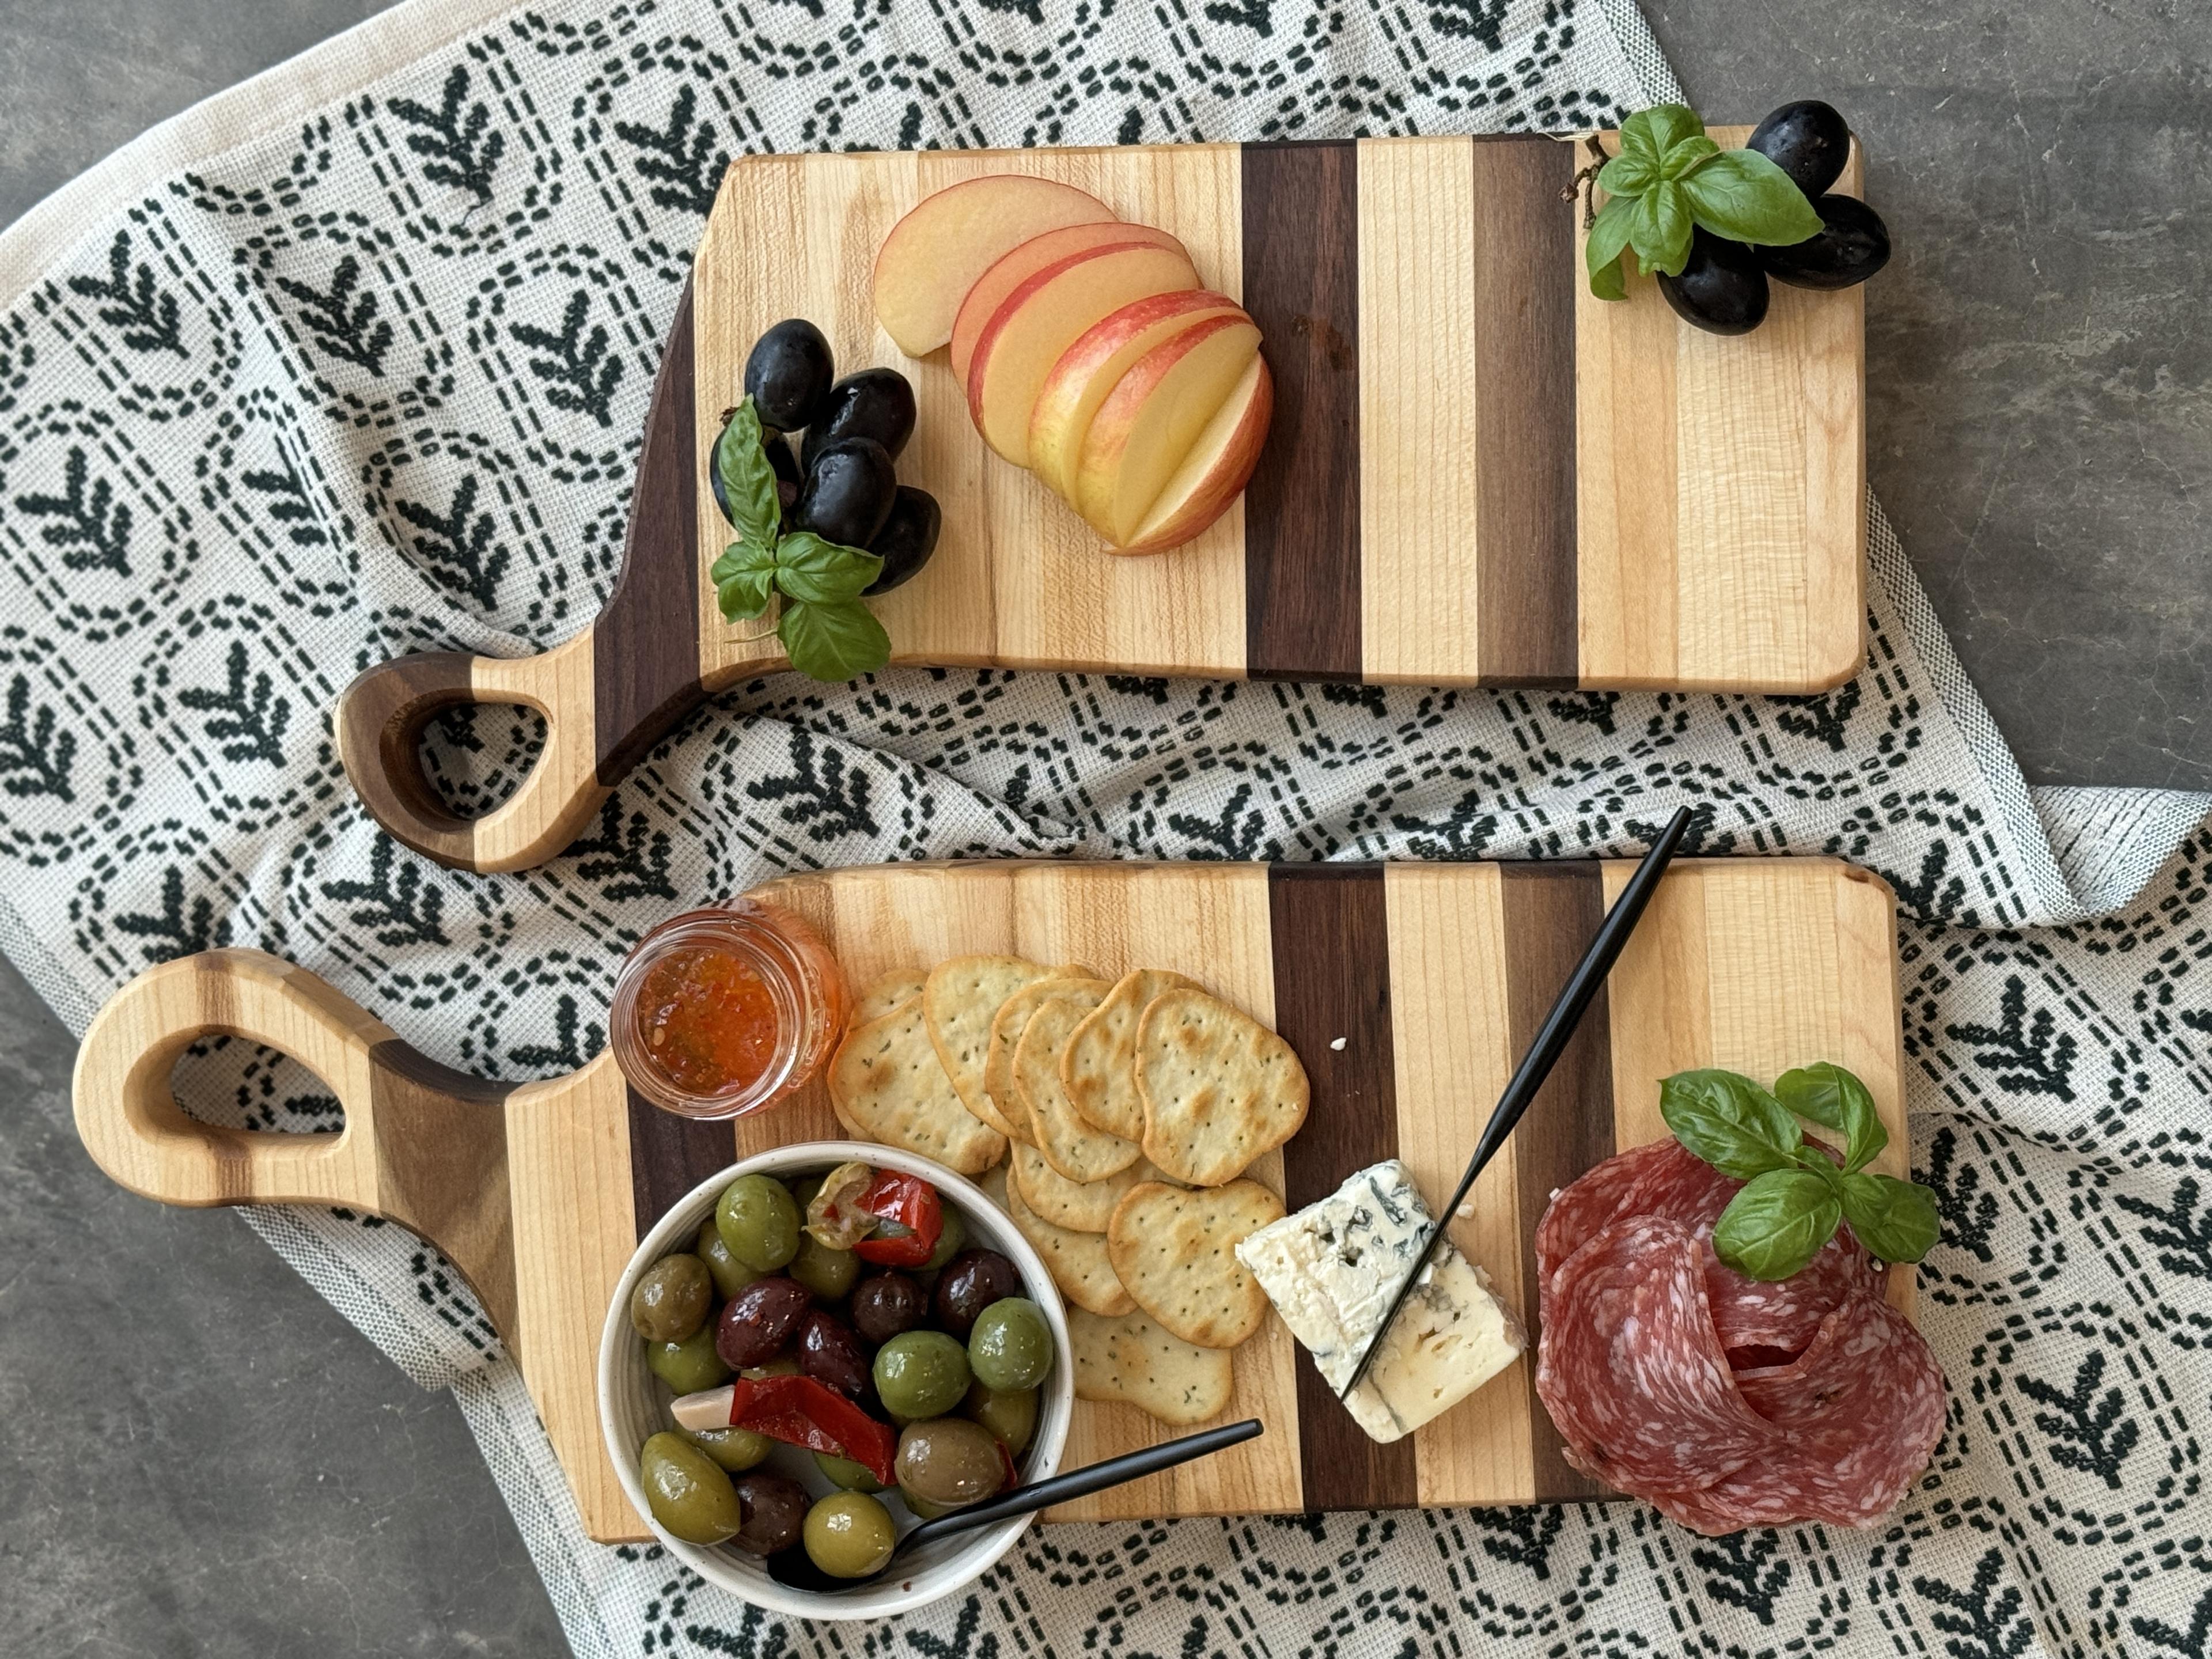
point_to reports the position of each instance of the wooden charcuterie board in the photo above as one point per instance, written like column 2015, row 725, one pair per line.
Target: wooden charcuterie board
column 1433, row 977
column 1476, row 474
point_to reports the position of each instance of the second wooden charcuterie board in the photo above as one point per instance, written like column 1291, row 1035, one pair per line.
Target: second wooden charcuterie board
column 1409, row 990
column 1476, row 473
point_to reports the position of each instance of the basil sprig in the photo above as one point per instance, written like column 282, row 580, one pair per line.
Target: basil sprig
column 1670, row 178
column 1795, row 1193
column 827, row 629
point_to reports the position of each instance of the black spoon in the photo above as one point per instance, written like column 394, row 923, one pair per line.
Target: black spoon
column 796, row 1568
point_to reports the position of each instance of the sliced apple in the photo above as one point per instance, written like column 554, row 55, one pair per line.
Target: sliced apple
column 1149, row 423
column 1017, row 264
column 946, row 240
column 1047, row 314
column 1217, row 469
column 1090, row 368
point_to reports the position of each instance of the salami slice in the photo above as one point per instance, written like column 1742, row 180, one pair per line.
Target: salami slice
column 1630, row 1369
column 1855, row 1417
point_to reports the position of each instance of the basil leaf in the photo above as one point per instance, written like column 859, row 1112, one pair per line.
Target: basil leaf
column 1608, row 236
column 1777, row 1223
column 838, row 641
column 1729, row 1122
column 749, row 499
column 1828, row 1094
column 1627, row 175
column 1652, row 133
column 818, row 572
column 1895, row 1219
column 1686, row 157
column 1659, row 226
column 744, row 578
column 1742, row 196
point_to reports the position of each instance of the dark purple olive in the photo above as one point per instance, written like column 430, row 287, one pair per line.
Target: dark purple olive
column 1723, row 289
column 788, row 373
column 907, row 539
column 1852, row 244
column 876, row 403
column 1809, row 140
column 777, row 448
column 776, row 1512
column 849, row 492
column 885, row 1304
column 759, row 1320
column 972, row 1281
column 830, row 1353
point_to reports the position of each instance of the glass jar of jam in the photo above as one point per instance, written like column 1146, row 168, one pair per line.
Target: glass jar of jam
column 722, row 1012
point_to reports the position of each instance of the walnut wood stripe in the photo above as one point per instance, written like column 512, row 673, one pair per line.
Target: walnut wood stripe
column 1331, row 950
column 1301, row 281
column 645, row 669
column 669, row 1156
column 441, row 1166
column 1551, row 911
column 1524, row 372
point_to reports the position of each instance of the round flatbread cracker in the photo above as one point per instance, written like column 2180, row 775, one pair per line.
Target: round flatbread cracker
column 1220, row 1088
column 1175, row 1251
column 1099, row 1069
column 960, row 999
column 1006, row 1028
column 887, row 1082
column 1077, row 1261
column 884, row 993
column 1132, row 1361
column 1072, row 1146
column 1081, row 1207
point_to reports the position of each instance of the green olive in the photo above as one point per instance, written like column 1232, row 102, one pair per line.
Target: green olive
column 924, row 1510
column 734, row 1450
column 803, row 1190
column 950, row 1242
column 849, row 1535
column 758, row 1221
column 689, row 1365
column 731, row 1275
column 949, row 1460
column 920, row 1374
column 1010, row 1414
column 686, row 1493
column 828, row 1273
column 671, row 1299
column 1010, row 1347
column 844, row 1472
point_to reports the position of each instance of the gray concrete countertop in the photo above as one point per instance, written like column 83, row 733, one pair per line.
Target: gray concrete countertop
column 198, row 1457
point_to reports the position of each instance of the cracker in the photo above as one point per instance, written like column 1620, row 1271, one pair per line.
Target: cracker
column 960, row 999
column 887, row 1082
column 1082, row 1206
column 1220, row 1088
column 1077, row 1261
column 1006, row 1028
column 1099, row 1068
column 885, row 992
column 1175, row 1252
column 1069, row 1144
column 1132, row 1361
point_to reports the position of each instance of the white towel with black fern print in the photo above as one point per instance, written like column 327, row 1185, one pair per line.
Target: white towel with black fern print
column 375, row 384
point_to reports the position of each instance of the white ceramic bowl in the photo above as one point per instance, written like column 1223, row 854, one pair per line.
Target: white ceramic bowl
column 634, row 1403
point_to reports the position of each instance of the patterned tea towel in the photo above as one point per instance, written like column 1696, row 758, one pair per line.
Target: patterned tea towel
column 353, row 361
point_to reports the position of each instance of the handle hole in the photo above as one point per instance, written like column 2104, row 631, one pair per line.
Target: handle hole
column 231, row 1084
column 475, row 755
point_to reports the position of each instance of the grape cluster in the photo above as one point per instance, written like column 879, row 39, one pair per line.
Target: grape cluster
column 1724, row 288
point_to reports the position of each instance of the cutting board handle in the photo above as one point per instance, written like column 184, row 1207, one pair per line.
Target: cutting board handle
column 381, row 717
column 128, row 1116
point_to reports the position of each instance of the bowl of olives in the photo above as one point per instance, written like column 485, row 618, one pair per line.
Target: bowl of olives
column 815, row 1351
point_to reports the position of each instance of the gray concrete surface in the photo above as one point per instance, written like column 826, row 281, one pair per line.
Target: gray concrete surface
column 198, row 1457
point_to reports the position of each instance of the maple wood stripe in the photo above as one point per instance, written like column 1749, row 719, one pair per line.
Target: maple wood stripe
column 1524, row 375
column 669, row 1156
column 1551, row 911
column 645, row 660
column 1301, row 220
column 1332, row 971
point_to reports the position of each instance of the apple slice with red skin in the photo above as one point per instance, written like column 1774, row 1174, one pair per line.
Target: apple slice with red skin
column 1017, row 264
column 1216, row 471
column 933, row 255
column 1150, row 422
column 1090, row 369
column 1049, row 312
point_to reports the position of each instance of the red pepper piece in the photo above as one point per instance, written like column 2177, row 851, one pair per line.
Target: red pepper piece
column 801, row 1411
column 910, row 1220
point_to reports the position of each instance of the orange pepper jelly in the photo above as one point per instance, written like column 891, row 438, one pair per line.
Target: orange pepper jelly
column 724, row 1012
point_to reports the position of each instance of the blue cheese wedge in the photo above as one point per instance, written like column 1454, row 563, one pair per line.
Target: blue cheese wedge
column 1331, row 1270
